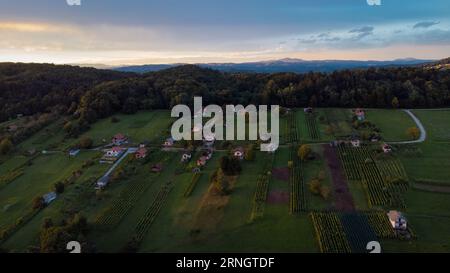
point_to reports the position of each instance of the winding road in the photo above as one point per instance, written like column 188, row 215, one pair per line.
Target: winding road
column 423, row 132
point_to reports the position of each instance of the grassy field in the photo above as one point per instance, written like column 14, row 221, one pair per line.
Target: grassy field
column 38, row 178
column 143, row 126
column 430, row 160
column 392, row 123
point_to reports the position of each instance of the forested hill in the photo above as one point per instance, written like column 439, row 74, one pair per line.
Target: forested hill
column 88, row 94
column 31, row 88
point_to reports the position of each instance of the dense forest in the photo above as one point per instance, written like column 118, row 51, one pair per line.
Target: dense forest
column 87, row 94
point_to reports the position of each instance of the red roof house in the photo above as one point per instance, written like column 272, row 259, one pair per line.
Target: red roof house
column 119, row 139
column 141, row 153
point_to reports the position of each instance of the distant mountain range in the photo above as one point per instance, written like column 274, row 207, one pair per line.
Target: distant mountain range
column 283, row 65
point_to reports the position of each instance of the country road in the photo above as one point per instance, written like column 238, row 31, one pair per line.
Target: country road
column 423, row 132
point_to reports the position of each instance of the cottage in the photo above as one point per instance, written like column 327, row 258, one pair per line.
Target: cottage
column 398, row 221
column 356, row 143
column 114, row 152
column 169, row 142
column 386, row 148
column 119, row 139
column 141, row 153
column 186, row 157
column 239, row 153
column 360, row 114
column 74, row 152
column 202, row 161
column 49, row 197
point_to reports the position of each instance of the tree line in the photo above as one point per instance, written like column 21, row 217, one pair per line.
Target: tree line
column 88, row 94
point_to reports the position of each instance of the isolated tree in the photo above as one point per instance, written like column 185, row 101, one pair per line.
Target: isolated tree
column 304, row 151
column 413, row 132
column 395, row 103
column 68, row 127
column 85, row 143
column 54, row 239
column 48, row 222
column 230, row 165
column 315, row 186
column 38, row 203
column 5, row 146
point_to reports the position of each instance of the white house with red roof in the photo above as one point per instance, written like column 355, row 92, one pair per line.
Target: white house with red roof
column 114, row 152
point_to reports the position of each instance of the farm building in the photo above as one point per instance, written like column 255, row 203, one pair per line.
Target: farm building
column 355, row 143
column 49, row 197
column 186, row 157
column 102, row 182
column 360, row 114
column 119, row 139
column 239, row 153
column 386, row 148
column 141, row 153
column 398, row 221
column 74, row 152
column 114, row 152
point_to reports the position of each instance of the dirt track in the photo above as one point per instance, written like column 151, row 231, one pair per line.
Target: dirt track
column 343, row 200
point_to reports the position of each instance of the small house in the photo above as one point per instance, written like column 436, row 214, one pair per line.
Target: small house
column 398, row 221
column 119, row 139
column 186, row 157
column 239, row 153
column 356, row 143
column 102, row 182
column 386, row 148
column 202, row 161
column 74, row 152
column 49, row 197
column 360, row 114
column 114, row 152
column 169, row 142
column 141, row 153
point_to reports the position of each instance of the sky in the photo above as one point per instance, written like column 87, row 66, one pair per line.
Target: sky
column 125, row 32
